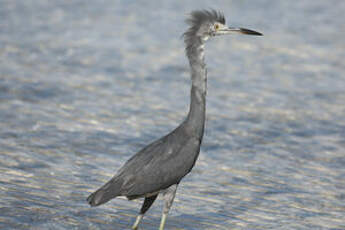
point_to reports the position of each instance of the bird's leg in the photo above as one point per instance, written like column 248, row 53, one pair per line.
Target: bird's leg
column 146, row 205
column 169, row 195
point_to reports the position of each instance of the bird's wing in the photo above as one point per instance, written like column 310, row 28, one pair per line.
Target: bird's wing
column 159, row 165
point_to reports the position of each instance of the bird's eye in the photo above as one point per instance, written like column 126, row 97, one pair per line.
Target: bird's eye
column 216, row 26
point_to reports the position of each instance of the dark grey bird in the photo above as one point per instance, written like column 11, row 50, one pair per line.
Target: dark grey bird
column 160, row 166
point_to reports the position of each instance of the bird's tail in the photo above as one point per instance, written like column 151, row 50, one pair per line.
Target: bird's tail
column 107, row 192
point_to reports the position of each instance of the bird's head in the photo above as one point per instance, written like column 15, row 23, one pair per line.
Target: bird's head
column 209, row 23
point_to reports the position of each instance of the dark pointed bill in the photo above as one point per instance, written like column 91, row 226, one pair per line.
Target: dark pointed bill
column 249, row 32
column 244, row 31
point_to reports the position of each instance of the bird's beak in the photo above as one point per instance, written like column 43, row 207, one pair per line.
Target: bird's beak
column 231, row 30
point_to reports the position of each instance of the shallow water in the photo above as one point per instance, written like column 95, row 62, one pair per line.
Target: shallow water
column 86, row 84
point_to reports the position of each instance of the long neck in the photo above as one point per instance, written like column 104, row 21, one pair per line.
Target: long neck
column 196, row 116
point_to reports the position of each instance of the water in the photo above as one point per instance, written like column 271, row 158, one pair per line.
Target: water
column 86, row 84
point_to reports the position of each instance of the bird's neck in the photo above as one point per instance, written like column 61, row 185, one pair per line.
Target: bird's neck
column 196, row 116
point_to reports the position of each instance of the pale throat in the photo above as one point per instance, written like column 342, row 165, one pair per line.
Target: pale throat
column 199, row 71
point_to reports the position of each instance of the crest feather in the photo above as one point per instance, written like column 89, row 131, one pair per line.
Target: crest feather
column 195, row 20
column 199, row 17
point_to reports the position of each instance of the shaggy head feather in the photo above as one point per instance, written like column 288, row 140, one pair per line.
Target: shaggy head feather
column 199, row 22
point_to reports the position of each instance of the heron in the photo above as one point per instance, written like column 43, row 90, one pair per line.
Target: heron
column 160, row 166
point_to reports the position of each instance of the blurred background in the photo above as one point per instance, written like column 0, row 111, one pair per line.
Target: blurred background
column 86, row 84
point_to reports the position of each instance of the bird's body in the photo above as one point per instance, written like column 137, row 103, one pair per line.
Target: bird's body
column 160, row 166
column 137, row 179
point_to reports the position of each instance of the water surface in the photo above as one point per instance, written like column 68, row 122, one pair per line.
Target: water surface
column 86, row 84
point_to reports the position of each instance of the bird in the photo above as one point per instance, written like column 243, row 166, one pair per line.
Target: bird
column 160, row 166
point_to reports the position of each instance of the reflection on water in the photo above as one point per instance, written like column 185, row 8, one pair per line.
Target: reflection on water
column 84, row 86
